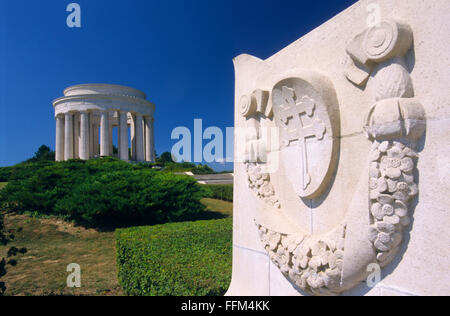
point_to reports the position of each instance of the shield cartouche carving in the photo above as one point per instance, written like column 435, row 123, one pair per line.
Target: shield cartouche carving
column 307, row 128
column 305, row 110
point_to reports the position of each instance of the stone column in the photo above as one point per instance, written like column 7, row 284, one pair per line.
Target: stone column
column 91, row 135
column 84, row 131
column 123, row 136
column 68, row 137
column 59, row 151
column 133, row 136
column 152, row 140
column 140, row 154
column 148, row 138
column 104, row 134
column 96, row 148
column 111, row 150
column 77, row 137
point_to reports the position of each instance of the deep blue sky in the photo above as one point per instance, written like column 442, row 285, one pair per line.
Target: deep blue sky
column 179, row 52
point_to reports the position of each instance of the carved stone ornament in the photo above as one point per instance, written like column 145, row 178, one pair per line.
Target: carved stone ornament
column 304, row 109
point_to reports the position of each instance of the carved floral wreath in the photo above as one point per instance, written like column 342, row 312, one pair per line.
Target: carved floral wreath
column 315, row 264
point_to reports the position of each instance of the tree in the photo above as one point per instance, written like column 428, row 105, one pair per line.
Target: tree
column 44, row 153
column 165, row 158
column 203, row 169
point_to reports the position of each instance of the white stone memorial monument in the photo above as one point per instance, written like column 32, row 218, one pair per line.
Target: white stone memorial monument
column 343, row 157
column 87, row 114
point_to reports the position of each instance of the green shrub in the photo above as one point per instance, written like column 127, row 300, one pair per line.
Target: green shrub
column 102, row 192
column 203, row 169
column 177, row 259
column 133, row 197
column 5, row 174
column 222, row 192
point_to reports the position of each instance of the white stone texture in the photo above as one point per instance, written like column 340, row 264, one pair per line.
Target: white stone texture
column 84, row 130
column 384, row 91
column 140, row 154
column 123, row 136
column 59, row 152
column 77, row 135
column 68, row 141
column 148, row 139
column 104, row 134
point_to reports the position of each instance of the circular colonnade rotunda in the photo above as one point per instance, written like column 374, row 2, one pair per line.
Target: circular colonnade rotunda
column 87, row 115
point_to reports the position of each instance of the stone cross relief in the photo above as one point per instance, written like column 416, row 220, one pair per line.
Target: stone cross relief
column 296, row 130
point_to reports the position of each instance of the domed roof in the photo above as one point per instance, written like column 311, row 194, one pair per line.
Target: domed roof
column 104, row 89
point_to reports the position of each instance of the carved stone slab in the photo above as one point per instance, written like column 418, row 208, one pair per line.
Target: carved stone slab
column 355, row 177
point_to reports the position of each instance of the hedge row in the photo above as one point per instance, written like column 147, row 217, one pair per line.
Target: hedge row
column 102, row 192
column 222, row 192
column 177, row 259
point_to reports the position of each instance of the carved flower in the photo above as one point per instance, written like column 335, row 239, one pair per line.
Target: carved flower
column 333, row 280
column 392, row 185
column 408, row 177
column 336, row 260
column 408, row 152
column 373, row 234
column 331, row 244
column 301, row 280
column 388, row 209
column 283, row 258
column 401, row 209
column 384, row 146
column 410, row 189
column 301, row 256
column 379, row 184
column 255, row 177
column 374, row 155
column 385, row 227
column 274, row 201
column 383, row 242
column 385, row 199
column 315, row 263
column 396, row 152
column 407, row 164
column 393, row 219
column 319, row 255
column 375, row 145
column 297, row 276
column 315, row 281
column 398, row 162
column 267, row 190
column 402, row 186
column 390, row 167
column 388, row 255
column 272, row 240
column 375, row 170
column 379, row 211
column 291, row 242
